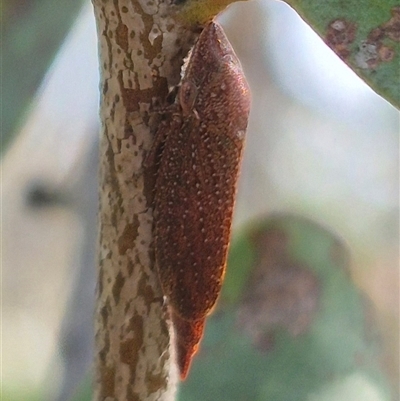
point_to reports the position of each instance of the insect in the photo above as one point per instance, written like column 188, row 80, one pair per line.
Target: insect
column 201, row 146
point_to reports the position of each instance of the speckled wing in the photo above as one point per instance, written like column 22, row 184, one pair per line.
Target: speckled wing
column 197, row 176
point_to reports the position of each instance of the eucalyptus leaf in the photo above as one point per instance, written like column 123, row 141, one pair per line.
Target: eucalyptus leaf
column 365, row 35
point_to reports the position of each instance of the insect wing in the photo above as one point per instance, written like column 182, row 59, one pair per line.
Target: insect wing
column 195, row 192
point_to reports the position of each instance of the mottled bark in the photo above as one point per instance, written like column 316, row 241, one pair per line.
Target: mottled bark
column 141, row 48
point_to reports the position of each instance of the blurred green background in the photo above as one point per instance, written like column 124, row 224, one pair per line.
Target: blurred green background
column 310, row 307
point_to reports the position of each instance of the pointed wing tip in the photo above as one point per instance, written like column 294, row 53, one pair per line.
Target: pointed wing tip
column 188, row 336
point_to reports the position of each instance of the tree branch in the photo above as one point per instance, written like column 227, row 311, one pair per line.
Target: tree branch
column 141, row 48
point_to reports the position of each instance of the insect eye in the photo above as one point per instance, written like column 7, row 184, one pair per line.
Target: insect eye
column 187, row 96
column 229, row 59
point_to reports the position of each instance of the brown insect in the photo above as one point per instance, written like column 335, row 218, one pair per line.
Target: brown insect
column 201, row 146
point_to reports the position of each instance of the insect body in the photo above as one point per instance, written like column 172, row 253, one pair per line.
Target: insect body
column 196, row 185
